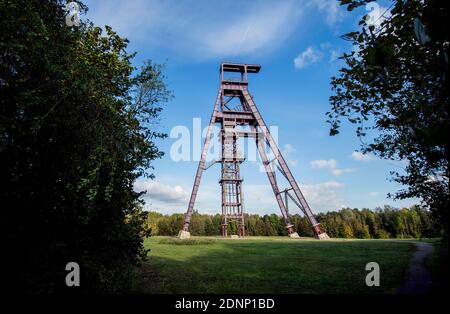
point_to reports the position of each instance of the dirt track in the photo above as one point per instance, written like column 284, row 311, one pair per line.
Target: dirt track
column 418, row 277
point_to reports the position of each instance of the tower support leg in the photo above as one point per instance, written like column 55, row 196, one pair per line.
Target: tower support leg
column 200, row 168
column 241, row 231
column 223, row 228
column 273, row 182
column 284, row 167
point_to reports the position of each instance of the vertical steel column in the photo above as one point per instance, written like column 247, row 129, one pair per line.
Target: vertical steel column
column 238, row 187
column 224, row 223
column 224, row 184
column 240, row 193
column 232, row 206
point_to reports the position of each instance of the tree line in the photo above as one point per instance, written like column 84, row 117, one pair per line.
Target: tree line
column 381, row 223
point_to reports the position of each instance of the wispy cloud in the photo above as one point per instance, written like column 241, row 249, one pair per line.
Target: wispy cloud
column 287, row 152
column 358, row 156
column 288, row 148
column 313, row 55
column 334, row 55
column 330, row 165
column 331, row 10
column 212, row 29
column 308, row 57
column 202, row 29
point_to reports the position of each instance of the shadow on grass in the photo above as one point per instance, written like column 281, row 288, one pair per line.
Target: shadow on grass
column 258, row 266
column 176, row 241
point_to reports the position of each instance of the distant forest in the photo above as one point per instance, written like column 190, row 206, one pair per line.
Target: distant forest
column 381, row 223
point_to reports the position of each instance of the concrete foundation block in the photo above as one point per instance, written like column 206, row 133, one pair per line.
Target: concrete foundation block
column 323, row 236
column 184, row 234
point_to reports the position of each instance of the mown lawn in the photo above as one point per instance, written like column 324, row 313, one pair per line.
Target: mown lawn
column 271, row 265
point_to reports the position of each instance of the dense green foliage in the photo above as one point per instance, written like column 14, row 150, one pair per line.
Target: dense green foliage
column 272, row 265
column 76, row 130
column 346, row 223
column 394, row 89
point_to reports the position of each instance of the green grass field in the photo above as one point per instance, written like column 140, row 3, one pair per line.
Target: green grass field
column 271, row 265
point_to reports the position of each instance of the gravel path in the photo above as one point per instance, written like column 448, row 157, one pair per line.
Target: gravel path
column 418, row 277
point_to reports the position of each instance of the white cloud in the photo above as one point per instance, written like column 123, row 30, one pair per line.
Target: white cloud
column 207, row 29
column 334, row 56
column 373, row 194
column 377, row 14
column 161, row 192
column 339, row 171
column 203, row 28
column 288, row 150
column 312, row 55
column 171, row 194
column 258, row 198
column 330, row 165
column 320, row 164
column 323, row 196
column 325, row 45
column 358, row 156
column 307, row 58
column 331, row 9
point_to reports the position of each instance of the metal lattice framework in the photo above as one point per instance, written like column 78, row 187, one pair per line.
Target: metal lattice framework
column 245, row 114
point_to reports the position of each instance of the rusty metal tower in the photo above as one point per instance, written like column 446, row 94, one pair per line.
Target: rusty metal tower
column 245, row 114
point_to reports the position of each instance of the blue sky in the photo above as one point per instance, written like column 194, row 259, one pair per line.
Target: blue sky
column 297, row 44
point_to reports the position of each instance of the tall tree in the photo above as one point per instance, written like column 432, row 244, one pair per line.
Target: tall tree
column 76, row 130
column 394, row 89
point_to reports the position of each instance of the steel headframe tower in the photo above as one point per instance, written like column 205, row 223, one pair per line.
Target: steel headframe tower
column 245, row 114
